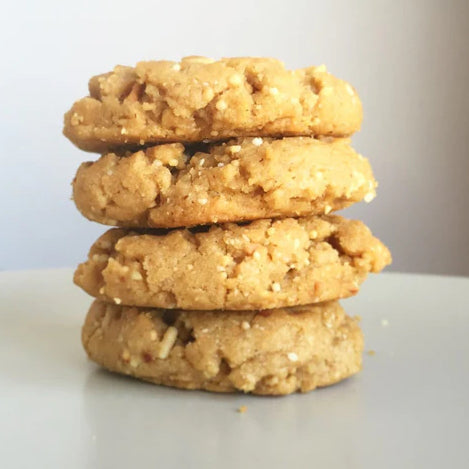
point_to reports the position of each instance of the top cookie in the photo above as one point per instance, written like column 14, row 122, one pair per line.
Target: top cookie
column 202, row 99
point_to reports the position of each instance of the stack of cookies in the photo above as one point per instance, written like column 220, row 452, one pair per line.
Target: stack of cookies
column 226, row 268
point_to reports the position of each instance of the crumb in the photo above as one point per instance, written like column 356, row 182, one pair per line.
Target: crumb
column 242, row 409
column 371, row 353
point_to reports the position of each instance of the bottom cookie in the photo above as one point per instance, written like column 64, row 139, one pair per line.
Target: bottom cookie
column 274, row 352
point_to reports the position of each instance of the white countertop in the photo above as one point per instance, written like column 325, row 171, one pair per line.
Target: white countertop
column 408, row 408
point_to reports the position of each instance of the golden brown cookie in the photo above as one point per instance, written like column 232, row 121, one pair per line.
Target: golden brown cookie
column 245, row 179
column 199, row 98
column 263, row 352
column 265, row 264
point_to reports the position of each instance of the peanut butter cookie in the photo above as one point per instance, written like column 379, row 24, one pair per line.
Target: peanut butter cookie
column 199, row 99
column 265, row 264
column 262, row 352
column 246, row 179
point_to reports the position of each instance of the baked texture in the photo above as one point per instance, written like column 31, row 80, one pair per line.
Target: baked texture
column 263, row 352
column 265, row 264
column 169, row 186
column 199, row 98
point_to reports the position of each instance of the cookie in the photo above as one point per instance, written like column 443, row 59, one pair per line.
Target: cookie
column 245, row 179
column 262, row 352
column 199, row 99
column 265, row 264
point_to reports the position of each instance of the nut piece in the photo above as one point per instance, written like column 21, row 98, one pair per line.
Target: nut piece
column 276, row 287
column 369, row 196
column 135, row 275
column 169, row 339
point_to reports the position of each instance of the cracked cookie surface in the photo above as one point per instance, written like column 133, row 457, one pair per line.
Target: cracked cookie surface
column 262, row 352
column 264, row 264
column 202, row 99
column 171, row 185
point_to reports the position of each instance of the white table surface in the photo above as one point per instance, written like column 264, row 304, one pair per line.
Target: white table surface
column 409, row 408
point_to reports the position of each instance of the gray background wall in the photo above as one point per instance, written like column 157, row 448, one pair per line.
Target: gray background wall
column 408, row 60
